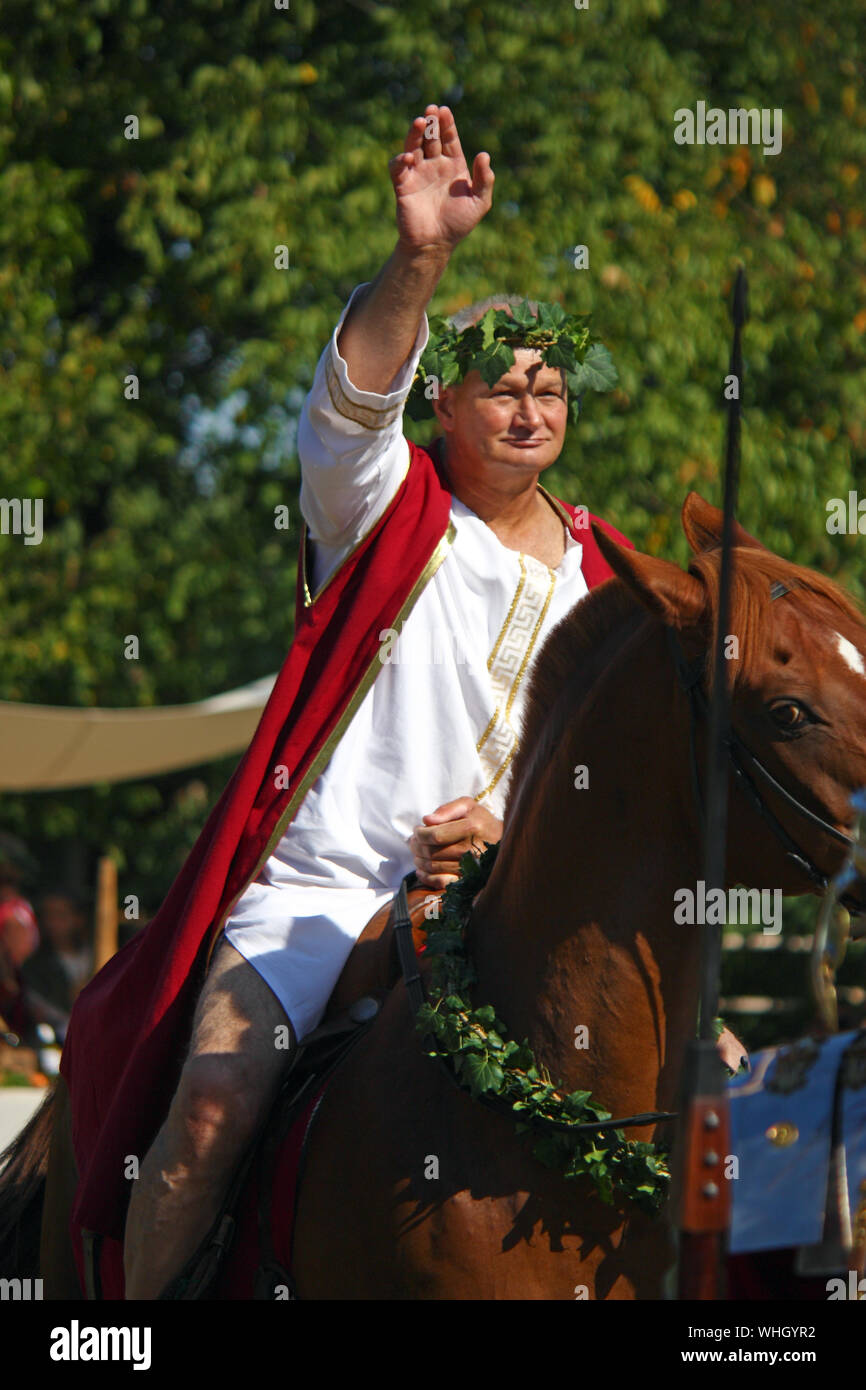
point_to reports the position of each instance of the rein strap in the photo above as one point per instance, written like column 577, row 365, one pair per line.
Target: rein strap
column 743, row 761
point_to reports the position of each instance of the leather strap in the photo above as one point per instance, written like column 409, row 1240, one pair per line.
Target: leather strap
column 744, row 764
column 406, row 953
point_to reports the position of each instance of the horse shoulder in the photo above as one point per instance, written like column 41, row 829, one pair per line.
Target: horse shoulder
column 373, row 966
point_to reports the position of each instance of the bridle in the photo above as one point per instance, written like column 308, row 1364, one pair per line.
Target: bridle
column 744, row 765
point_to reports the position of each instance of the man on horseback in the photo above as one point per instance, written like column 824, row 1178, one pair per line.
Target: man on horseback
column 175, row 1050
column 514, row 569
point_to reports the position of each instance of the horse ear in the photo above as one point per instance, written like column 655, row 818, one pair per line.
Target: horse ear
column 702, row 523
column 673, row 595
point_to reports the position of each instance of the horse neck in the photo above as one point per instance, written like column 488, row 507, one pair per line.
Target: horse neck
column 575, row 928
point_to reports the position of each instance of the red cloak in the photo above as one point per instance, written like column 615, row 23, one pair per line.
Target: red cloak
column 130, row 1026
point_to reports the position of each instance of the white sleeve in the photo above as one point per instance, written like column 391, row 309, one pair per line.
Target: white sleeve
column 352, row 451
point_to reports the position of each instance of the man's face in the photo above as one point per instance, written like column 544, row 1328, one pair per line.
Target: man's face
column 515, row 426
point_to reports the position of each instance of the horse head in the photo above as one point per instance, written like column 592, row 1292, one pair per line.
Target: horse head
column 796, row 661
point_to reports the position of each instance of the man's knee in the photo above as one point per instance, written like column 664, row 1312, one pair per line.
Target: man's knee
column 236, row 1009
column 220, row 1100
column 236, row 1059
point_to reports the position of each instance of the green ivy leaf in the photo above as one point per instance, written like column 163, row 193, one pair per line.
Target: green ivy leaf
column 450, row 371
column 493, row 363
column 487, row 325
column 522, row 314
column 482, row 1073
column 560, row 354
column 596, row 372
column 574, row 1104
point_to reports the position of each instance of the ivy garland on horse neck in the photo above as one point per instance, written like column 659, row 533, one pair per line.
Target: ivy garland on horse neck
column 485, row 1061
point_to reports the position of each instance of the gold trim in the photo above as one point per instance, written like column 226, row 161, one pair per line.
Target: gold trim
column 366, row 415
column 510, row 614
column 506, row 720
column 532, row 642
column 324, row 754
column 308, row 601
column 302, row 561
column 557, row 507
column 483, row 739
column 490, row 785
column 521, row 583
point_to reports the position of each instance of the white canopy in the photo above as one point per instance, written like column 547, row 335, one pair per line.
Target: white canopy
column 47, row 746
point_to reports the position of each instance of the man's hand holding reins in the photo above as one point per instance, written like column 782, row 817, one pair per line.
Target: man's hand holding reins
column 446, row 834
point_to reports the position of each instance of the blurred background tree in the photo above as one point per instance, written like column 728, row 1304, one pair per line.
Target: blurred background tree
column 261, row 127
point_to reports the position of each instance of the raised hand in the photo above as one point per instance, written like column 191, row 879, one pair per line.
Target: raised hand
column 438, row 202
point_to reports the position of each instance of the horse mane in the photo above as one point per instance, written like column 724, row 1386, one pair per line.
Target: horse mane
column 577, row 651
column 595, row 631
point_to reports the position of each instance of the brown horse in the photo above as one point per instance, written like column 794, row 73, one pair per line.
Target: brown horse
column 575, row 929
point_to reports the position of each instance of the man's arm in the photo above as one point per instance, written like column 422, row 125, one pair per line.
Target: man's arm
column 350, row 440
column 438, row 204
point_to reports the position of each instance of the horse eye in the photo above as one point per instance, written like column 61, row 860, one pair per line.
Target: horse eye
column 790, row 715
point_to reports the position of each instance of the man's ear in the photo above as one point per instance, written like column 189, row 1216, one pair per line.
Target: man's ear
column 673, row 595
column 702, row 523
column 442, row 408
column 443, row 405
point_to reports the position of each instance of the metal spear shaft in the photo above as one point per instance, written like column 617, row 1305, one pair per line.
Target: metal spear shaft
column 716, row 836
column 701, row 1186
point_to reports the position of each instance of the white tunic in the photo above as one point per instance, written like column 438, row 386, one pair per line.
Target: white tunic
column 441, row 719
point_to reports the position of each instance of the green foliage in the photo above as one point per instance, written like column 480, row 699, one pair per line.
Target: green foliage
column 262, row 127
column 473, row 1041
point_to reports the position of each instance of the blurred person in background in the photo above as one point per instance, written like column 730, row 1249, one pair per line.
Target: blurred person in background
column 19, row 932
column 19, row 936
column 55, row 973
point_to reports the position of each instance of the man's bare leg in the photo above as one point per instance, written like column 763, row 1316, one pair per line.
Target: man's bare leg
column 229, row 1079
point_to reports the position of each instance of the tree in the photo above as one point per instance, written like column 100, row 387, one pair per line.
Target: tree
column 158, row 256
